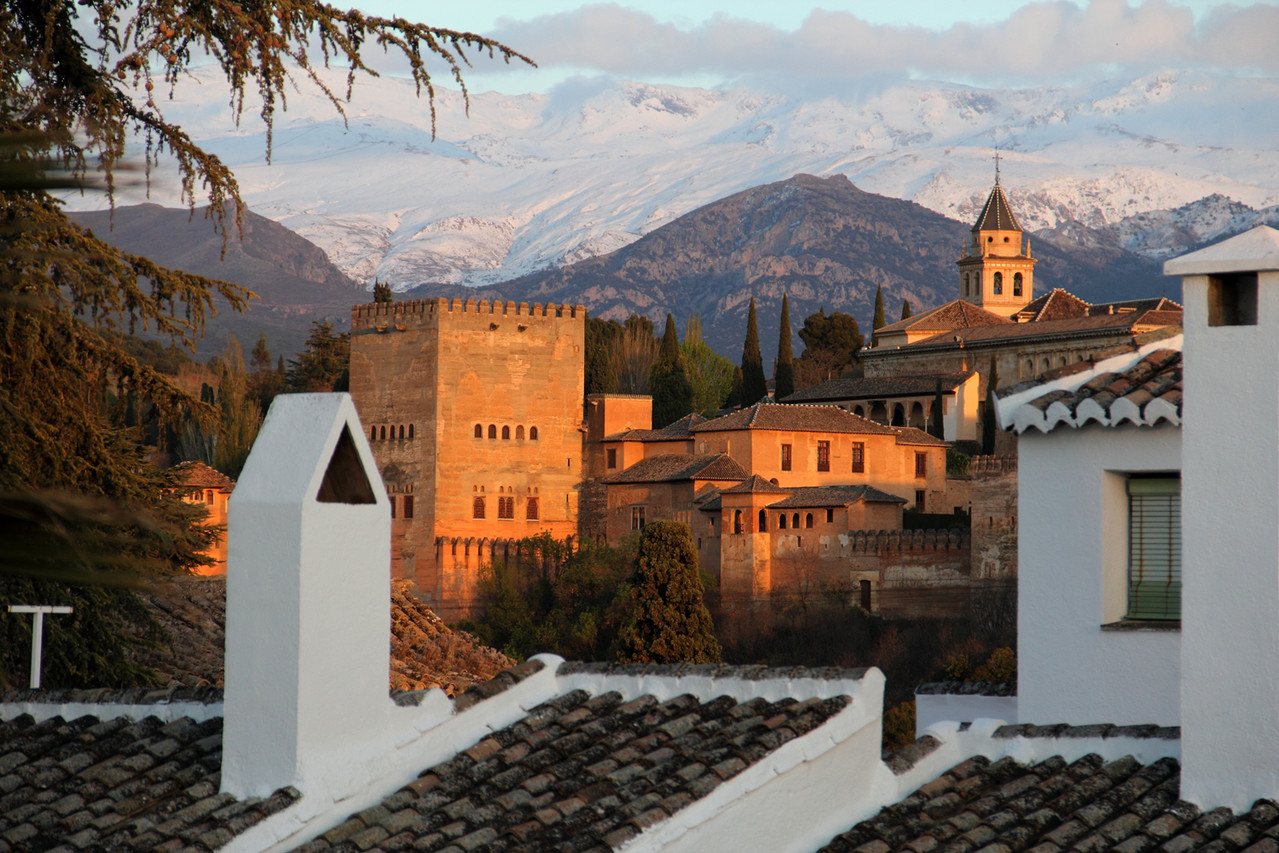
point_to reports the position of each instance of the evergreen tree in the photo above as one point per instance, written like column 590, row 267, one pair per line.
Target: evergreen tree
column 265, row 381
column 668, row 381
column 831, row 344
column 936, row 426
column 381, row 292
column 670, row 622
column 754, row 386
column 710, row 373
column 634, row 355
column 905, row 309
column 988, row 426
column 878, row 323
column 602, row 337
column 325, row 364
column 784, row 372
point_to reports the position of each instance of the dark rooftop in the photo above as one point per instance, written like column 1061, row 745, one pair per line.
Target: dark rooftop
column 1052, row 806
column 794, row 418
column 996, row 215
column 859, row 388
column 672, row 467
column 754, row 485
column 671, row 432
column 821, row 496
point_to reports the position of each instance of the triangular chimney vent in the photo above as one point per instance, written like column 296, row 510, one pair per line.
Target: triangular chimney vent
column 345, row 481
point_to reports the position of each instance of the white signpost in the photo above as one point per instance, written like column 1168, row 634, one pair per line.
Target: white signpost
column 37, row 612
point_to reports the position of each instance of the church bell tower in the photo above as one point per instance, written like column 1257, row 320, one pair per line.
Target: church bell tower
column 995, row 271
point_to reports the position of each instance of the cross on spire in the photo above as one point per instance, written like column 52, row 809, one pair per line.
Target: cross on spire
column 996, row 167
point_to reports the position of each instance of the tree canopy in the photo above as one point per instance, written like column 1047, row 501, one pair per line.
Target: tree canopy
column 784, row 372
column 710, row 373
column 80, row 81
column 670, row 622
column 754, row 386
column 668, row 381
column 831, row 342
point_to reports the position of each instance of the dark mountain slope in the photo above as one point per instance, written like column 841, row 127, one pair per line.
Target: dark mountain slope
column 823, row 241
column 293, row 277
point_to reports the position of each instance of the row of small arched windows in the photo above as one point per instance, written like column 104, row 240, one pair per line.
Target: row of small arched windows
column 782, row 521
column 506, row 432
column 997, row 284
column 505, row 507
column 383, row 433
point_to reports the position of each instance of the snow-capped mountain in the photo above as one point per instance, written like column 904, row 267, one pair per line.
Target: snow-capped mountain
column 534, row 181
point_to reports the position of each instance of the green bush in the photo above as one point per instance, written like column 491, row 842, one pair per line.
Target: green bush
column 669, row 621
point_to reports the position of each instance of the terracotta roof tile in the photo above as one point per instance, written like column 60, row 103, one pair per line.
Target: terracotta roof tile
column 996, row 215
column 822, row 496
column 1089, row 804
column 914, row 435
column 956, row 314
column 671, row 432
column 1049, row 328
column 117, row 784
column 1141, row 392
column 858, row 388
column 197, row 475
column 671, row 467
column 1056, row 304
column 581, row 772
column 794, row 418
column 754, row 485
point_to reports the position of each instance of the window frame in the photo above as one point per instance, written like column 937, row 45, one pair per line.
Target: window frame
column 823, row 456
column 637, row 518
column 786, row 457
column 1153, row 540
column 858, row 452
column 921, row 465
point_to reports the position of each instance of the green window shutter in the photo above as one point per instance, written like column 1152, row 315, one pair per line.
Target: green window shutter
column 1154, row 548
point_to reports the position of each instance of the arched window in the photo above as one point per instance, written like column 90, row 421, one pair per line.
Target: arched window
column 808, row 520
column 372, row 433
column 977, row 282
column 532, row 433
column 999, row 284
column 737, row 521
column 763, row 521
column 781, row 521
column 492, row 431
column 794, row 522
column 530, row 509
column 1016, row 284
column 401, row 430
column 410, row 430
column 208, row 496
column 479, row 431
column 965, row 284
column 477, row 507
column 384, row 433
column 506, row 433
column 519, row 433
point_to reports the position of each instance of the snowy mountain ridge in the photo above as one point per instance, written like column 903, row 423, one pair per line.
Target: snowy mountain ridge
column 533, row 181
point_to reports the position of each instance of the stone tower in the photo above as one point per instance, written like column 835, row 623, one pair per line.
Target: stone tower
column 474, row 415
column 995, row 271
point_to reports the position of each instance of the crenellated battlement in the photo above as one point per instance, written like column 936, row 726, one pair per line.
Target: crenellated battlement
column 415, row 311
column 878, row 541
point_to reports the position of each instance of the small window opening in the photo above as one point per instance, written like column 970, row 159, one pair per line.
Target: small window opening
column 492, row 431
column 506, row 433
column 781, row 521
column 1232, row 300
column 763, row 521
column 532, row 433
column 479, row 431
column 808, row 520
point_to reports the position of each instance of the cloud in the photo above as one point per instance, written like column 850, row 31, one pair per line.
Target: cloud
column 1041, row 40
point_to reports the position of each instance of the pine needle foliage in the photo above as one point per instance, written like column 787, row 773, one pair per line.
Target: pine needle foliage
column 878, row 320
column 754, row 386
column 670, row 622
column 905, row 309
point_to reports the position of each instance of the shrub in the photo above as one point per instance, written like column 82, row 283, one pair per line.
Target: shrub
column 669, row 622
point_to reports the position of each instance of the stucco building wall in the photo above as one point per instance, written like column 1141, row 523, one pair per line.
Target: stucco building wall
column 1072, row 512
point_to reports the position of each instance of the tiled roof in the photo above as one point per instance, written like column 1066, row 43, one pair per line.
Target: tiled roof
column 197, row 475
column 1051, row 806
column 671, row 432
column 671, row 467
column 861, row 388
column 914, row 435
column 1140, row 388
column 87, row 784
column 1157, row 303
column 822, row 496
column 794, row 418
column 755, row 485
column 1056, row 304
column 956, row 314
column 996, row 215
column 1051, row 328
column 581, row 772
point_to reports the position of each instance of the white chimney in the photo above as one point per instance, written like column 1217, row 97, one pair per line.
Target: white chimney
column 1230, row 521
column 308, row 600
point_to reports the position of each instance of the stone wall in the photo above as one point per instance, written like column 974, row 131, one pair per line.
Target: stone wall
column 994, row 517
column 489, row 396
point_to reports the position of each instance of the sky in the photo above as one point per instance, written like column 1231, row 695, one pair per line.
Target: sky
column 844, row 42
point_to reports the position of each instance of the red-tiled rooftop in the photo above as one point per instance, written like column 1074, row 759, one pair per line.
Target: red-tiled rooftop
column 824, row 496
column 754, row 485
column 957, row 314
column 672, row 432
column 866, row 387
column 794, row 418
column 671, row 467
column 197, row 475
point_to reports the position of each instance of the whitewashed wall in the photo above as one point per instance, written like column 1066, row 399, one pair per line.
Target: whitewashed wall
column 1072, row 512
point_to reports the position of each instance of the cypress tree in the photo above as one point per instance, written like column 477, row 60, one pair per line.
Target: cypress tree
column 936, row 428
column 878, row 322
column 988, row 422
column 381, row 292
column 670, row 622
column 905, row 309
column 784, row 371
column 668, row 381
column 754, row 387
